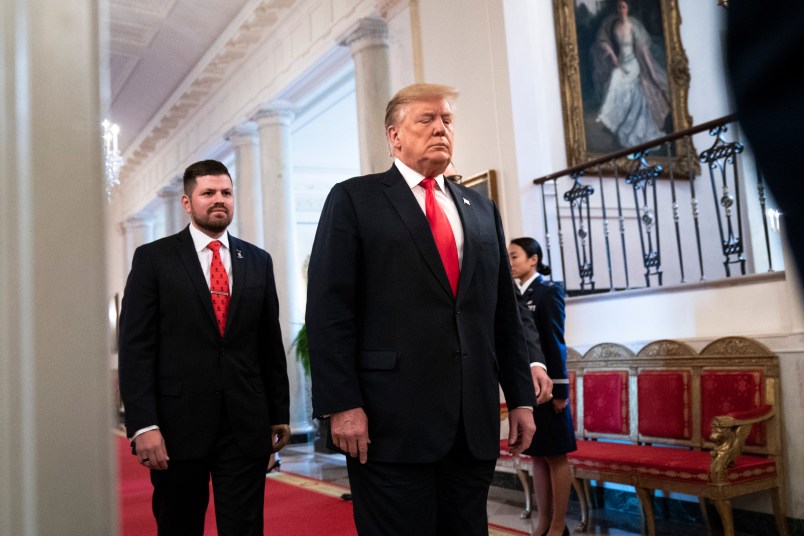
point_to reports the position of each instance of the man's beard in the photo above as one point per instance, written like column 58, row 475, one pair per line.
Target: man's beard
column 214, row 225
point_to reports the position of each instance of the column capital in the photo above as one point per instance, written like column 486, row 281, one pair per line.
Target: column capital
column 243, row 134
column 365, row 33
column 138, row 222
column 278, row 112
column 174, row 188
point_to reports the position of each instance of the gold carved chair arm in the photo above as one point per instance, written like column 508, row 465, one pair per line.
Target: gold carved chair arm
column 729, row 433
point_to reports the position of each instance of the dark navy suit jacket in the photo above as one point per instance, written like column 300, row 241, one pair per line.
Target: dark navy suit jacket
column 387, row 334
column 178, row 372
column 545, row 300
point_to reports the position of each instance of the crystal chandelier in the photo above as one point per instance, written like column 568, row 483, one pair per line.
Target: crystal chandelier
column 112, row 161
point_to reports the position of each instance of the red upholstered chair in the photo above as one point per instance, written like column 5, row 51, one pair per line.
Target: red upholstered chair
column 665, row 404
column 605, row 402
column 728, row 391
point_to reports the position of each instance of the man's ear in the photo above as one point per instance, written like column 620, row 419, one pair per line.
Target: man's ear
column 393, row 136
column 185, row 202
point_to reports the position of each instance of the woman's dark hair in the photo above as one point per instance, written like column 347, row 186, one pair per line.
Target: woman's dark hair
column 531, row 248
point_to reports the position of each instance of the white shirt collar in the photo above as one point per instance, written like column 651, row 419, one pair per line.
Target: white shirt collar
column 202, row 240
column 525, row 284
column 413, row 178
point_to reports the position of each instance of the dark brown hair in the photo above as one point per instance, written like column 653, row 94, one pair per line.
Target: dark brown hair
column 201, row 169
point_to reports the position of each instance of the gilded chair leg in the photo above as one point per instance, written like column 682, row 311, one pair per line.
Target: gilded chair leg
column 646, row 498
column 779, row 511
column 523, row 479
column 583, row 498
column 724, row 509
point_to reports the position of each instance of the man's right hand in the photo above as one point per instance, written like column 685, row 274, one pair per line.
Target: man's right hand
column 151, row 451
column 349, row 431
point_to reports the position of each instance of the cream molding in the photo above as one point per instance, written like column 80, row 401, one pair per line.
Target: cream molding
column 211, row 76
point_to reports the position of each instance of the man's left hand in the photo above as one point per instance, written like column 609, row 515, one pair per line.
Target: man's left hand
column 542, row 383
column 521, row 428
column 280, row 433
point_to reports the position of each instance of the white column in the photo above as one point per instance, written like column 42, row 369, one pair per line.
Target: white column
column 139, row 230
column 368, row 42
column 248, row 188
column 176, row 218
column 56, row 455
column 279, row 223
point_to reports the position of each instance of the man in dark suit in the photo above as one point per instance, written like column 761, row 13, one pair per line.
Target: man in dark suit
column 413, row 325
column 203, row 373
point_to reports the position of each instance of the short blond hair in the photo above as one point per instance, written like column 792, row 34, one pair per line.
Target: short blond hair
column 414, row 93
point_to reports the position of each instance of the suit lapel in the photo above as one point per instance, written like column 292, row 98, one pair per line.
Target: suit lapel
column 471, row 238
column 189, row 258
column 402, row 199
column 236, row 253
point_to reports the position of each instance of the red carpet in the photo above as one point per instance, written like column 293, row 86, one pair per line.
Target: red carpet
column 294, row 505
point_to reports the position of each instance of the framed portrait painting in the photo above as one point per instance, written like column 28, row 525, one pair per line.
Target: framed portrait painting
column 624, row 76
column 484, row 183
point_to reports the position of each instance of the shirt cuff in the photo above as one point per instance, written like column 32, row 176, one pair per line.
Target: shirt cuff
column 538, row 364
column 529, row 408
column 143, row 430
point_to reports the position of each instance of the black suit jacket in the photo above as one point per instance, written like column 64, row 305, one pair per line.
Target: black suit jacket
column 386, row 333
column 545, row 300
column 178, row 372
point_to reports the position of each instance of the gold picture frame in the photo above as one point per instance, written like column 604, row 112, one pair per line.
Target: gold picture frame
column 583, row 29
column 484, row 183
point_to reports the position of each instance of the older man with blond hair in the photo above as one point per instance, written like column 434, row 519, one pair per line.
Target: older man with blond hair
column 413, row 325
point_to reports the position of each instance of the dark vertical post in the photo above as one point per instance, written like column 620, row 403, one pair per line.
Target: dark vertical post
column 675, row 212
column 560, row 235
column 605, row 226
column 695, row 214
column 546, row 231
column 621, row 220
column 761, row 191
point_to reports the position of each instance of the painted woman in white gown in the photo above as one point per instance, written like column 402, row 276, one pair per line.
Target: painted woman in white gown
column 631, row 83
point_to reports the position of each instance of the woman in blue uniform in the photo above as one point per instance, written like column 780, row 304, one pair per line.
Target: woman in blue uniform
column 554, row 436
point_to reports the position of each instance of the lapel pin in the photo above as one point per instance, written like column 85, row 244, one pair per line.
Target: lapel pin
column 466, row 201
column 239, row 254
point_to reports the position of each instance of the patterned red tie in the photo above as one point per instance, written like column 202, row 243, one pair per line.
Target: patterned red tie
column 218, row 285
column 442, row 233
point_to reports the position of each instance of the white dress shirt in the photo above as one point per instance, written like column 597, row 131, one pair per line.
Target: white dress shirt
column 443, row 198
column 201, row 242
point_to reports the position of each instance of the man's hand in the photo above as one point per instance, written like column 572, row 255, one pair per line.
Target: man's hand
column 349, row 431
column 542, row 383
column 151, row 451
column 280, row 435
column 522, row 428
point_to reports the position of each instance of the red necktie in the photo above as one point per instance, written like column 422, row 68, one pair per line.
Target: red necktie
column 442, row 233
column 218, row 285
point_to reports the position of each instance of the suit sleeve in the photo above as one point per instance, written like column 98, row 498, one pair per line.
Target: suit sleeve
column 331, row 318
column 274, row 363
column 509, row 336
column 138, row 344
column 535, row 352
column 552, row 338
